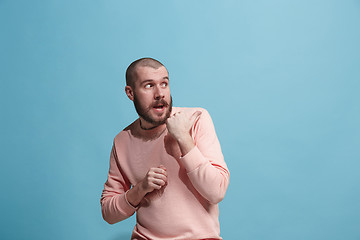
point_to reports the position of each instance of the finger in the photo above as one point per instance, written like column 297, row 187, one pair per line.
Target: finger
column 159, row 170
column 177, row 114
column 159, row 173
column 160, row 176
column 155, row 186
column 158, row 182
column 162, row 167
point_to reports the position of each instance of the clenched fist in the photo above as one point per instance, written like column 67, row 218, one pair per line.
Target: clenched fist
column 154, row 179
column 179, row 126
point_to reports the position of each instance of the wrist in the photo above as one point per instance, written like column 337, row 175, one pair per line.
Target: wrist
column 136, row 194
column 186, row 144
column 184, row 138
column 141, row 189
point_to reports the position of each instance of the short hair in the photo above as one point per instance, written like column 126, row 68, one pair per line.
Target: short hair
column 142, row 62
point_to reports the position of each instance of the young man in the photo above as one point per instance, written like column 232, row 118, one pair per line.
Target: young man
column 167, row 166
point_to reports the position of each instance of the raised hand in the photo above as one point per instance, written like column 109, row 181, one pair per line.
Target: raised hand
column 180, row 124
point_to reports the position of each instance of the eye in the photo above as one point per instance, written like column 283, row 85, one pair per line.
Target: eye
column 149, row 85
column 164, row 84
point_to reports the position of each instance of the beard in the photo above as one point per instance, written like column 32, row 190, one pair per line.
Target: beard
column 144, row 111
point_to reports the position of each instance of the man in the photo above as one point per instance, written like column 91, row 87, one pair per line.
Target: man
column 167, row 165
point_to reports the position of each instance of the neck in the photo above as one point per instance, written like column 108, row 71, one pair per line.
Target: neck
column 149, row 132
column 149, row 127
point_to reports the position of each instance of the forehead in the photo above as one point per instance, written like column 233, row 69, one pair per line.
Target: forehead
column 144, row 73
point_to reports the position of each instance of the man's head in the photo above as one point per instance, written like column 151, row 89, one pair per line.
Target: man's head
column 131, row 73
column 147, row 85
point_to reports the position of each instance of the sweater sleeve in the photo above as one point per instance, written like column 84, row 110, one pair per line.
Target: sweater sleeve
column 205, row 163
column 114, row 205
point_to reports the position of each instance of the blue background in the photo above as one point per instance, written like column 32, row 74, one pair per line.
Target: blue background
column 280, row 78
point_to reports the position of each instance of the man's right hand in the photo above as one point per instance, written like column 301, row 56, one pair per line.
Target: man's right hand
column 155, row 178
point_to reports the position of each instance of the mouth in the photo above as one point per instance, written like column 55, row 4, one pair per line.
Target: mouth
column 159, row 106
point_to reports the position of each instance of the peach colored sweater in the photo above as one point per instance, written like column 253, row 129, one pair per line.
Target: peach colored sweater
column 185, row 208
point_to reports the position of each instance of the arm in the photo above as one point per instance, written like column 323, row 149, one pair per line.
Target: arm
column 114, row 204
column 202, row 156
column 118, row 201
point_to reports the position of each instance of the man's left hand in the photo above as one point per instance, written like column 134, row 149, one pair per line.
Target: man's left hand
column 180, row 124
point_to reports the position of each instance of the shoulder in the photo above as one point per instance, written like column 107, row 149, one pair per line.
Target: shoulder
column 125, row 135
column 122, row 137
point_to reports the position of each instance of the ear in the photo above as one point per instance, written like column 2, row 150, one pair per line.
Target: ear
column 129, row 92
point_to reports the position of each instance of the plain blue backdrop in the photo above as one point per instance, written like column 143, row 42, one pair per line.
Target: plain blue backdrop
column 281, row 80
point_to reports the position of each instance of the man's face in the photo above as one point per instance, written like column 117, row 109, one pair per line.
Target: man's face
column 152, row 97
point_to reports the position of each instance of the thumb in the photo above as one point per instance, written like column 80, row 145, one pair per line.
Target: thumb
column 195, row 116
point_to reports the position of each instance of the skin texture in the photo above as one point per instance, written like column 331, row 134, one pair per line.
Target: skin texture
column 179, row 126
column 152, row 100
column 151, row 88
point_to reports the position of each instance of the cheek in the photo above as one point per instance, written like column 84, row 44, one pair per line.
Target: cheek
column 144, row 98
column 167, row 94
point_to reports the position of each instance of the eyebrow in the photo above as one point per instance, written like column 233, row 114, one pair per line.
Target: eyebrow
column 146, row 81
column 151, row 80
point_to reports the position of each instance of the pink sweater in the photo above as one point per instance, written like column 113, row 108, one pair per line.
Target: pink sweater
column 187, row 207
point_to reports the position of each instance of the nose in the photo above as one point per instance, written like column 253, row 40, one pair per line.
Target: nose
column 158, row 94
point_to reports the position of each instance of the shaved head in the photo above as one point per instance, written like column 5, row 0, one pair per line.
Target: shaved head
column 142, row 62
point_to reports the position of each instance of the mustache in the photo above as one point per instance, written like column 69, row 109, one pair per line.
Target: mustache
column 160, row 102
